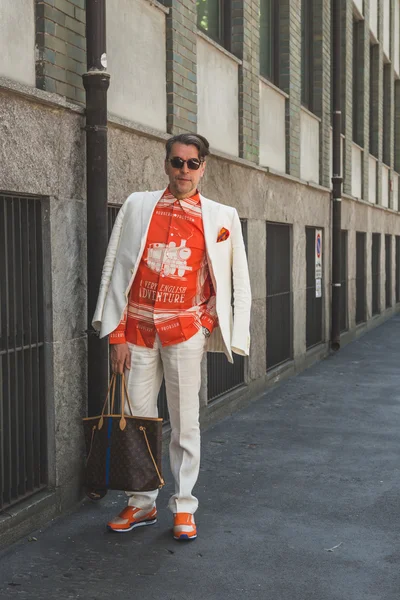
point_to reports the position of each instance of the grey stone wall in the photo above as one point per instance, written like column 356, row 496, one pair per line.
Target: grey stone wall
column 44, row 154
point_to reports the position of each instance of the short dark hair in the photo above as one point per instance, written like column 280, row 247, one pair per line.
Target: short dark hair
column 189, row 139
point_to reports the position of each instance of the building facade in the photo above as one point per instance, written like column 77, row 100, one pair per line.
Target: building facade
column 255, row 78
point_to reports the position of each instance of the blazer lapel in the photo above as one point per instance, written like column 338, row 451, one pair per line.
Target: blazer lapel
column 150, row 201
column 210, row 222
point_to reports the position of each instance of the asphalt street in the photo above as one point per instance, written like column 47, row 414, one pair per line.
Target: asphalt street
column 299, row 500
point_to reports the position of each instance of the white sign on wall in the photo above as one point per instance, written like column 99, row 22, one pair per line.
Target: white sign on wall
column 318, row 288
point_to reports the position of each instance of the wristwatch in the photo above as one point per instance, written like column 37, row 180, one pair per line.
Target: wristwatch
column 206, row 332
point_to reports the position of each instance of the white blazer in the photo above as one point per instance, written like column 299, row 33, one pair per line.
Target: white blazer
column 227, row 263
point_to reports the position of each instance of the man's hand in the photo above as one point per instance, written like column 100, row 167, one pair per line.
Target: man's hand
column 120, row 358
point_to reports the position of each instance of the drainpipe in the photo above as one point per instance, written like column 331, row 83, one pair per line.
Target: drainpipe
column 336, row 179
column 96, row 82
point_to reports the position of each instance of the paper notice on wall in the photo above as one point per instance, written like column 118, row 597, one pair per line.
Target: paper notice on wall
column 318, row 288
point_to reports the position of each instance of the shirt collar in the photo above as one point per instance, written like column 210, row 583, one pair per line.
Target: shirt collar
column 185, row 203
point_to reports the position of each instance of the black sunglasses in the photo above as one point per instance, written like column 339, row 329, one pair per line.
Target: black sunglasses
column 177, row 163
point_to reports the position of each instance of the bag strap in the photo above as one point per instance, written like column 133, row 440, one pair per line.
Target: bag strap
column 127, row 395
column 122, row 423
column 112, row 385
column 143, row 430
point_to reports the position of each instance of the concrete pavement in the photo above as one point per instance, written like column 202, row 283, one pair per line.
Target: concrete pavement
column 299, row 500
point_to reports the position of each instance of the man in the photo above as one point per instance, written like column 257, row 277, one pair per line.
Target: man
column 165, row 298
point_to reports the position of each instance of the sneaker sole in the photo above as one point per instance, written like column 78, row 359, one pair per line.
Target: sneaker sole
column 185, row 538
column 134, row 526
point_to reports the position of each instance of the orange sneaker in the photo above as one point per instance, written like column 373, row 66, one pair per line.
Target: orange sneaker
column 184, row 527
column 132, row 517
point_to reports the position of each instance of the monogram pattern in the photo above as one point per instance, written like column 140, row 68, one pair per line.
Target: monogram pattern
column 129, row 464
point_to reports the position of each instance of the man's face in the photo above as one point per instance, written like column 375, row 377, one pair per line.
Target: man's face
column 183, row 182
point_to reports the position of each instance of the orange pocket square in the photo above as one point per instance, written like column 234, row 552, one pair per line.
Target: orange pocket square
column 223, row 235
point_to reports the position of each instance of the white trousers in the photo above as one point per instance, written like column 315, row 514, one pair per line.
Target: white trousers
column 181, row 366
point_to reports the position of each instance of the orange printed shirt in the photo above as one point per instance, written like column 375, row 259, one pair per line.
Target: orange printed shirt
column 172, row 294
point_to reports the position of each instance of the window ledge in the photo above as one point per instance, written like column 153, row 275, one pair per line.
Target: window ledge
column 373, row 38
column 370, row 204
column 40, row 96
column 310, row 114
column 205, row 37
column 160, row 6
column 273, row 86
column 355, row 145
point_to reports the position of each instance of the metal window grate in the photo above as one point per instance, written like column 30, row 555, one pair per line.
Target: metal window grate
column 23, row 447
column 388, row 270
column 360, row 278
column 314, row 305
column 397, row 268
column 222, row 376
column 343, row 289
column 376, row 273
column 279, row 294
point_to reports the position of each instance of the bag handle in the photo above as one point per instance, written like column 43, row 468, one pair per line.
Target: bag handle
column 112, row 389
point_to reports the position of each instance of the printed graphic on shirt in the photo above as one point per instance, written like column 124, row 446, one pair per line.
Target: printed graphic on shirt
column 166, row 294
column 172, row 294
column 169, row 260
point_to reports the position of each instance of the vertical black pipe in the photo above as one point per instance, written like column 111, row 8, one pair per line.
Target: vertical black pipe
column 336, row 179
column 96, row 82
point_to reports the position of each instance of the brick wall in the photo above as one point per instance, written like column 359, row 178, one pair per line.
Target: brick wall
column 61, row 47
column 181, row 66
column 245, row 45
column 366, row 100
column 290, row 63
column 322, row 84
column 347, row 82
column 397, row 126
column 361, row 32
column 380, row 104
